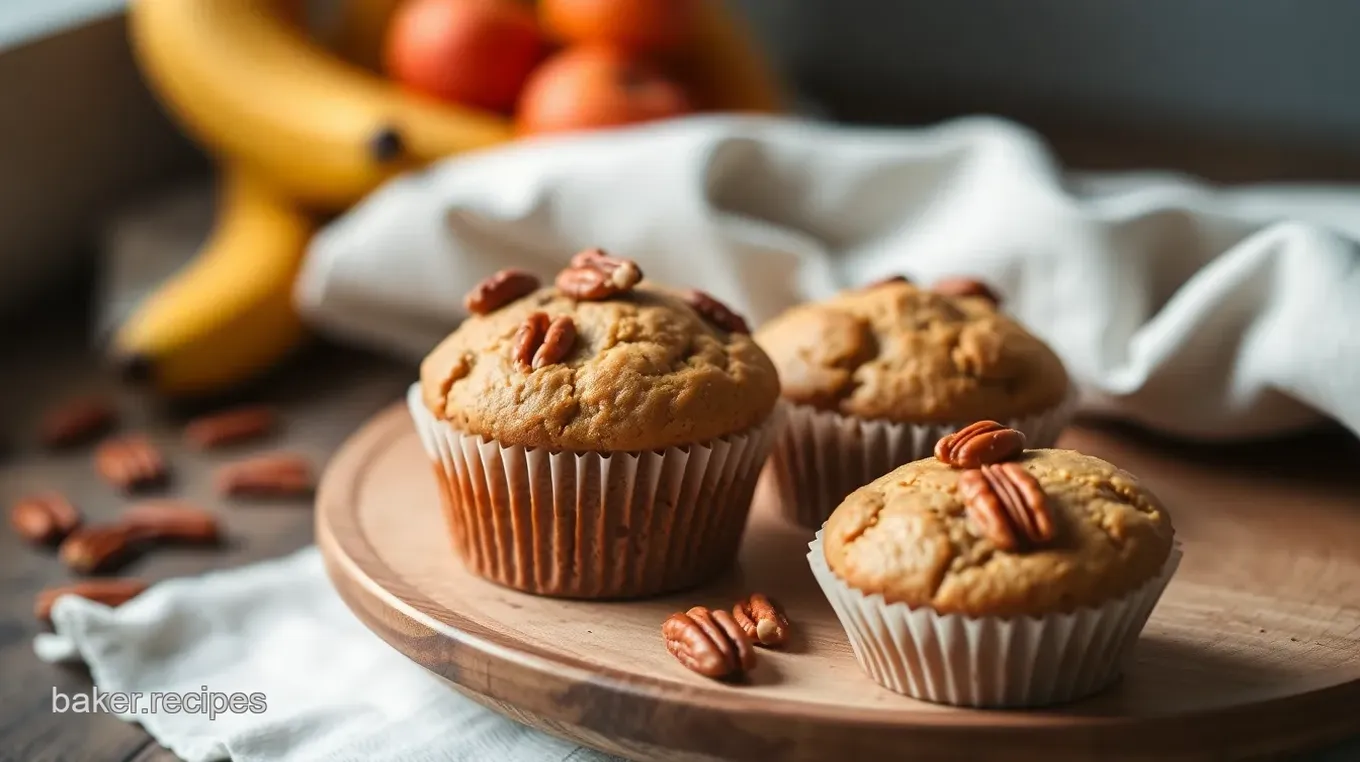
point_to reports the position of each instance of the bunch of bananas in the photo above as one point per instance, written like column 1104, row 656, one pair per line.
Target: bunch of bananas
column 300, row 131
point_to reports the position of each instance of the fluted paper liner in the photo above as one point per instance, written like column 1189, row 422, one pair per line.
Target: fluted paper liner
column 990, row 661
column 821, row 456
column 594, row 524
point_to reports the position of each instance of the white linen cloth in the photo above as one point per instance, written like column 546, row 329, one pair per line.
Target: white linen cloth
column 333, row 691
column 1205, row 312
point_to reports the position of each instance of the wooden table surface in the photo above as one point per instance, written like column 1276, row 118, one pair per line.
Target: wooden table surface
column 324, row 394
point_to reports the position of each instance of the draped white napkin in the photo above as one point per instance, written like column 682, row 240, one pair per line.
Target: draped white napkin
column 330, row 690
column 1206, row 312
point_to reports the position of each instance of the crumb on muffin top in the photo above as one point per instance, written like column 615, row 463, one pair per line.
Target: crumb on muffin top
column 897, row 352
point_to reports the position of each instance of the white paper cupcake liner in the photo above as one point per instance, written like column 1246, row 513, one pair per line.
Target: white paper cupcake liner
column 821, row 456
column 990, row 661
column 594, row 524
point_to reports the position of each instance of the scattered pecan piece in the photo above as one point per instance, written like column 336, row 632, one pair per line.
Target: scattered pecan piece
column 708, row 642
column 230, row 426
column 76, row 421
column 891, row 279
column 557, row 342
column 130, row 463
column 110, row 592
column 979, row 444
column 965, row 287
column 529, row 338
column 93, row 549
column 762, row 621
column 499, row 290
column 593, row 275
column 1006, row 505
column 272, row 475
column 44, row 517
column 171, row 521
column 716, row 312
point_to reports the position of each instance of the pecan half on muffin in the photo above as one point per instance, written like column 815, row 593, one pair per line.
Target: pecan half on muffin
column 1019, row 578
column 598, row 438
column 874, row 376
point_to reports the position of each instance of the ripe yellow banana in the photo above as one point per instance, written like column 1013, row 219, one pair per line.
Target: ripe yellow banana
column 229, row 314
column 245, row 80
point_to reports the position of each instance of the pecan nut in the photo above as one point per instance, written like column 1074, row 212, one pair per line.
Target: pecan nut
column 708, row 642
column 171, row 521
column 110, row 592
column 716, row 312
column 130, row 463
column 230, row 427
column 1006, row 505
column 762, row 621
column 499, row 290
column 557, row 342
column 272, row 475
column 965, row 287
column 76, row 421
column 979, row 444
column 94, row 549
column 44, row 517
column 593, row 275
column 888, row 281
column 529, row 338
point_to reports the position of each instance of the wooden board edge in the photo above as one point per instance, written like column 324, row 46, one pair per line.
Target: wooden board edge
column 584, row 704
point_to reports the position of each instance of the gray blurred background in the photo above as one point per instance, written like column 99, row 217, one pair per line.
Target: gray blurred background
column 1264, row 70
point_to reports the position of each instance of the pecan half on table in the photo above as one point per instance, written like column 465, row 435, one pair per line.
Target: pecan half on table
column 230, row 427
column 172, row 521
column 762, row 621
column 77, row 421
column 710, row 643
column 110, row 592
column 130, row 463
column 94, row 549
column 44, row 517
column 279, row 474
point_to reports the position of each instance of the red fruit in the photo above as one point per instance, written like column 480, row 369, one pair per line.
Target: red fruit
column 473, row 52
column 595, row 86
column 641, row 26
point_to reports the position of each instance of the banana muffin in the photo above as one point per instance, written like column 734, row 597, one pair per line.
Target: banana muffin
column 873, row 377
column 983, row 569
column 598, row 438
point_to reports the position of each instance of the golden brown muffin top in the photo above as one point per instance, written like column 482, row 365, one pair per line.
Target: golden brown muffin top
column 901, row 353
column 906, row 535
column 645, row 372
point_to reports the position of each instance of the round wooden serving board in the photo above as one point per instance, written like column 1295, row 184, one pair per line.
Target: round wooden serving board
column 1254, row 650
